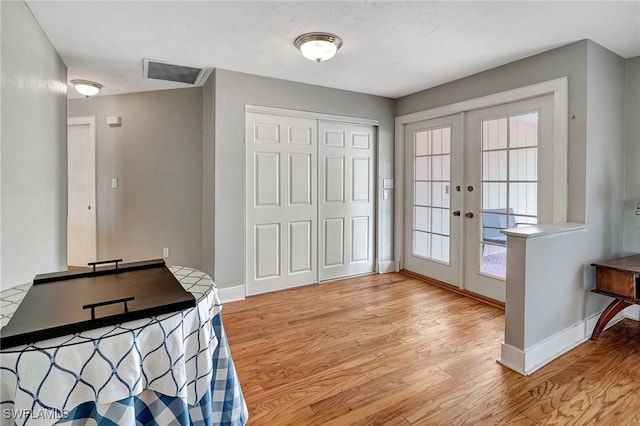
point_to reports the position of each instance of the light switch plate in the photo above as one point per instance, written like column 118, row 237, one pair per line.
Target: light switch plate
column 114, row 183
column 387, row 183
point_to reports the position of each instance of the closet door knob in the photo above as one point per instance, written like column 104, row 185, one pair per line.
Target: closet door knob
column 456, row 213
column 468, row 215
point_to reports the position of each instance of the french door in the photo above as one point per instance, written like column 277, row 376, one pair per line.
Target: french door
column 505, row 163
column 310, row 210
column 496, row 181
column 432, row 214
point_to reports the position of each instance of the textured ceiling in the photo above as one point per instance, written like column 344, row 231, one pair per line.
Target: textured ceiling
column 390, row 48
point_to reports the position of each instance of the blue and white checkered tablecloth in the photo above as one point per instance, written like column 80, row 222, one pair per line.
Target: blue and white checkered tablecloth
column 170, row 369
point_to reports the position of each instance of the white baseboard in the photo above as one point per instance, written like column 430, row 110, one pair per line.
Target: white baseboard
column 512, row 358
column 590, row 323
column 531, row 359
column 386, row 266
column 632, row 312
column 231, row 294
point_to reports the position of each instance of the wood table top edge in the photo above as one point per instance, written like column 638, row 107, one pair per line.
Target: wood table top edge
column 630, row 263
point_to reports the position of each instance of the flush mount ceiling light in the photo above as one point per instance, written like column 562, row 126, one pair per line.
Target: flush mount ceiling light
column 318, row 46
column 86, row 88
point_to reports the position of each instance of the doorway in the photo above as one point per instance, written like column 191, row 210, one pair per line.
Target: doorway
column 310, row 200
column 469, row 176
column 81, row 190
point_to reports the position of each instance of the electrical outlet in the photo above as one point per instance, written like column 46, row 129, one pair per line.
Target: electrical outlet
column 165, row 252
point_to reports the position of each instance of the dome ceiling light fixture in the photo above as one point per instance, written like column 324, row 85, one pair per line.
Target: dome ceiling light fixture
column 86, row 88
column 318, row 46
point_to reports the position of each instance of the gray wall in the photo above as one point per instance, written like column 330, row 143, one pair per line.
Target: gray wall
column 208, row 173
column 235, row 90
column 632, row 156
column 33, row 224
column 156, row 155
column 604, row 163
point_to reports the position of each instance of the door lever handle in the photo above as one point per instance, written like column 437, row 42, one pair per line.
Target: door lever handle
column 468, row 215
column 456, row 213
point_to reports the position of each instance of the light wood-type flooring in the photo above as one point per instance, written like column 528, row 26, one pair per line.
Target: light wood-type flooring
column 392, row 350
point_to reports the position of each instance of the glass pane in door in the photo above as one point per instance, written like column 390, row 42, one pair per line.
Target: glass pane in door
column 509, row 185
column 431, row 200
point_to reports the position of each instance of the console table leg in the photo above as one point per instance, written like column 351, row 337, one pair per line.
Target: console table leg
column 612, row 310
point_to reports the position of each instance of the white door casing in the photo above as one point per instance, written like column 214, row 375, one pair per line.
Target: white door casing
column 432, row 188
column 81, row 181
column 281, row 202
column 346, row 190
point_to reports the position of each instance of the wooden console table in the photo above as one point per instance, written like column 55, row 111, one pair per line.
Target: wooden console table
column 620, row 279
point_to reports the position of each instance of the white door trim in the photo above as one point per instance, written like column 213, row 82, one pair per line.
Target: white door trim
column 558, row 87
column 309, row 114
column 90, row 120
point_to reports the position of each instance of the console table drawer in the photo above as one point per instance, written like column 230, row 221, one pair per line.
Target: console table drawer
column 616, row 282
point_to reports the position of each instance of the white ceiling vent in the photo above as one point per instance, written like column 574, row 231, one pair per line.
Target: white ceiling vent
column 160, row 70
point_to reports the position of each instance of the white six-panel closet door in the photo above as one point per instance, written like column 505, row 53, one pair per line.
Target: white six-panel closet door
column 281, row 202
column 346, row 192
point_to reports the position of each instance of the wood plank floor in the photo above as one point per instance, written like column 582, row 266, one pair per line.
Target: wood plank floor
column 392, row 350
